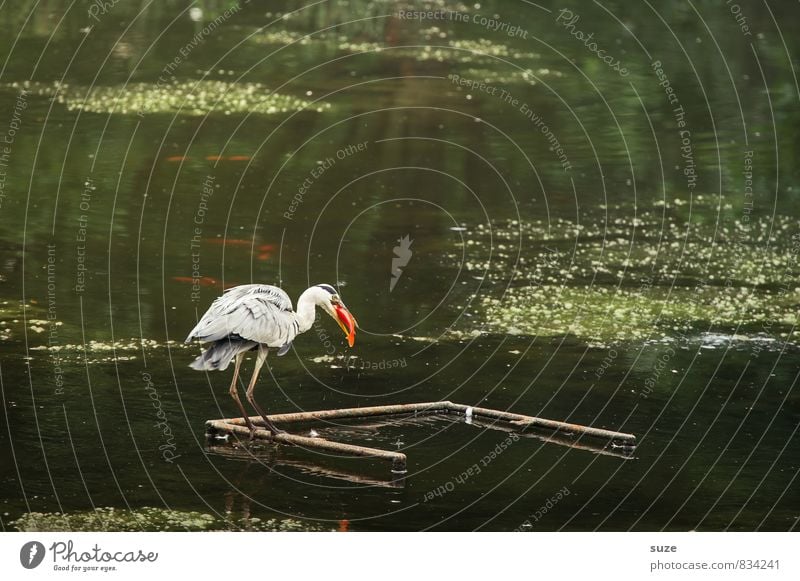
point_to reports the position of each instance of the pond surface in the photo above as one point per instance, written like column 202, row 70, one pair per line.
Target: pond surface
column 599, row 230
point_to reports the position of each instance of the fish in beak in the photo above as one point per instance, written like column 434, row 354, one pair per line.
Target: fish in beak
column 347, row 322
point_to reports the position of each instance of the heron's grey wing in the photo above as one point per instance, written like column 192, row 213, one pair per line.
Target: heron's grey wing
column 260, row 313
column 275, row 295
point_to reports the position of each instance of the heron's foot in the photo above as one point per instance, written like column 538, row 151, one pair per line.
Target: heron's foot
column 250, row 426
column 273, row 429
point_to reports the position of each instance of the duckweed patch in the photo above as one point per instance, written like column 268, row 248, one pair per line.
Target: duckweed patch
column 433, row 44
column 456, row 51
column 15, row 315
column 194, row 98
column 115, row 520
column 497, row 77
column 606, row 315
column 634, row 279
column 96, row 352
column 150, row 519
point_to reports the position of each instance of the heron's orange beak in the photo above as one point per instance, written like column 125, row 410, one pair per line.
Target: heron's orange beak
column 347, row 322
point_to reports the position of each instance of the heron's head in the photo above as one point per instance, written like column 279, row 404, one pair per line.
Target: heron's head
column 333, row 305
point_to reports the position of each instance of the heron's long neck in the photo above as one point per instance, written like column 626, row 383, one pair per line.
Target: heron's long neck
column 306, row 309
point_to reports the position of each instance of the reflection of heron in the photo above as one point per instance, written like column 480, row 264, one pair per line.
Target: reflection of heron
column 259, row 316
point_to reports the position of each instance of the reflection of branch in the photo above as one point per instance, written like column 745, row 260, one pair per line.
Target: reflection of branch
column 318, row 470
column 231, row 451
column 233, row 426
column 625, row 452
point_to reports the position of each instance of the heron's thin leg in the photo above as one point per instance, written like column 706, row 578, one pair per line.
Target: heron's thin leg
column 235, row 393
column 260, row 358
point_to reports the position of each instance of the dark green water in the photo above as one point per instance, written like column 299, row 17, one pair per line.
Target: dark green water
column 583, row 249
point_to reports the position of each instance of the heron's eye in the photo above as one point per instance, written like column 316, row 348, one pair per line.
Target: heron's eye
column 335, row 300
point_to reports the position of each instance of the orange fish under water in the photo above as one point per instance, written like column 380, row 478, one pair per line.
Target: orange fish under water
column 174, row 158
column 264, row 250
column 344, row 525
column 201, row 281
column 240, row 242
column 229, row 158
column 229, row 241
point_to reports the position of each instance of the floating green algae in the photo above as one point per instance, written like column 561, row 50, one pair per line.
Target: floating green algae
column 433, row 44
column 283, row 37
column 459, row 51
column 14, row 315
column 601, row 314
column 115, row 520
column 630, row 279
column 194, row 98
column 151, row 519
column 510, row 76
column 98, row 352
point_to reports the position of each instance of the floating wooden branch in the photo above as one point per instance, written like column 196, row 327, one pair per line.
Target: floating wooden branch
column 562, row 433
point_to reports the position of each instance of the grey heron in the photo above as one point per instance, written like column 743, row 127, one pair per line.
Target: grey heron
column 257, row 317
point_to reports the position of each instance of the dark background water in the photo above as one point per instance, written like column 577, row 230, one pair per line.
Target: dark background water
column 715, row 408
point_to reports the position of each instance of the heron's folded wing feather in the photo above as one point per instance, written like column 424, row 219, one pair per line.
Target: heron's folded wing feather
column 224, row 314
column 275, row 295
column 254, row 317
